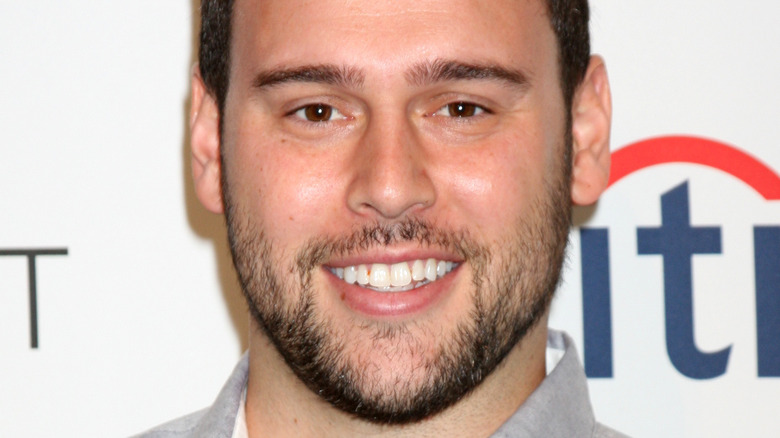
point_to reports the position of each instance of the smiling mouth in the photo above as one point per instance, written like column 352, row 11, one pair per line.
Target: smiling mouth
column 397, row 277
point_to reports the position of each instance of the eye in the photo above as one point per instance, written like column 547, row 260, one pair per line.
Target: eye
column 460, row 109
column 318, row 113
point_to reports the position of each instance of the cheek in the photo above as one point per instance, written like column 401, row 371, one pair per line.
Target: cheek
column 493, row 186
column 286, row 190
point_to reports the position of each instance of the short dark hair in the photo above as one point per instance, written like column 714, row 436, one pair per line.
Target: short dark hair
column 568, row 18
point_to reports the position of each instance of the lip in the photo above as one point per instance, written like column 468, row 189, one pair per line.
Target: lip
column 392, row 304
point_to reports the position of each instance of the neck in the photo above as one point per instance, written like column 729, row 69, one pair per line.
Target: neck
column 279, row 404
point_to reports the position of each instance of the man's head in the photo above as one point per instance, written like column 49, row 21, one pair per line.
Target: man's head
column 397, row 180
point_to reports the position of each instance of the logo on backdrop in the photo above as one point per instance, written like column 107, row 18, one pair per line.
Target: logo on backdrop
column 677, row 241
column 31, row 254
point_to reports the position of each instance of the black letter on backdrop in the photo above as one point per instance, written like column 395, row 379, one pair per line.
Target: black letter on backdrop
column 31, row 254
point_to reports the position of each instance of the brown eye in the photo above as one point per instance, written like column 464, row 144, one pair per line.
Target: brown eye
column 461, row 109
column 318, row 113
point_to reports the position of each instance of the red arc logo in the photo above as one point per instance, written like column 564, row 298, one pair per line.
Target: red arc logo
column 682, row 149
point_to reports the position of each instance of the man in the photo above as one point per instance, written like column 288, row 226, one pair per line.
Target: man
column 397, row 179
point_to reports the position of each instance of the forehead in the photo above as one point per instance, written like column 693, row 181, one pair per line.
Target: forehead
column 385, row 35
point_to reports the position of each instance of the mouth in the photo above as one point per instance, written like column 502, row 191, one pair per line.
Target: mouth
column 396, row 277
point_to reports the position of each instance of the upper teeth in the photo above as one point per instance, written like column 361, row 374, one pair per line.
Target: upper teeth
column 396, row 277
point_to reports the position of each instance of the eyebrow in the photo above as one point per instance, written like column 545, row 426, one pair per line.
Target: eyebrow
column 427, row 73
column 347, row 77
column 442, row 70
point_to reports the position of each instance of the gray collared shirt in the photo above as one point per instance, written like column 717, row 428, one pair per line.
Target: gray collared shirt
column 559, row 407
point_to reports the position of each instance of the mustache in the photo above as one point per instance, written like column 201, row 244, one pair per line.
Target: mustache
column 319, row 250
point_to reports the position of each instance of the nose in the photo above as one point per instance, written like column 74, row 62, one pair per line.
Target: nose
column 391, row 176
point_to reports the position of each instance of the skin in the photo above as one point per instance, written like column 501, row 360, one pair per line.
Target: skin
column 392, row 152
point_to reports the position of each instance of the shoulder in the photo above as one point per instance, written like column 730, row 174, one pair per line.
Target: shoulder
column 601, row 431
column 180, row 427
column 216, row 421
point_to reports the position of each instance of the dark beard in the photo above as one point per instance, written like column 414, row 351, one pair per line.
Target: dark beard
column 511, row 292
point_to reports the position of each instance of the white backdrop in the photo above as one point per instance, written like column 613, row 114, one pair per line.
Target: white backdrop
column 141, row 321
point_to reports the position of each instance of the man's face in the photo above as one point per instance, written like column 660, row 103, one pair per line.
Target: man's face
column 363, row 139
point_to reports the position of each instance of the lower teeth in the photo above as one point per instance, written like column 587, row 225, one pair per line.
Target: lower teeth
column 408, row 287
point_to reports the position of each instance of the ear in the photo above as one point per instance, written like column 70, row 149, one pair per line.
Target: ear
column 204, row 139
column 591, row 121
